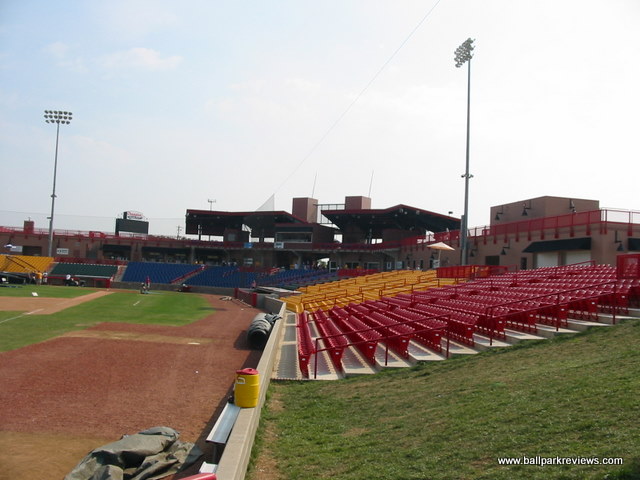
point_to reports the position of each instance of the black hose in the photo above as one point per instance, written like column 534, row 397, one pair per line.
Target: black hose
column 260, row 329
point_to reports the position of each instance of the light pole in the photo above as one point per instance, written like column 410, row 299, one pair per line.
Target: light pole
column 464, row 53
column 58, row 117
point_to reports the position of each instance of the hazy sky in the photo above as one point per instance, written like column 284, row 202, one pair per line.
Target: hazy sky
column 178, row 102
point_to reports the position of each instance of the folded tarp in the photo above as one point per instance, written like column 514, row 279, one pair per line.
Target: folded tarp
column 147, row 455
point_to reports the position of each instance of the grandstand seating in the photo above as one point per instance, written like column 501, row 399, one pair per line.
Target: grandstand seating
column 293, row 279
column 465, row 313
column 24, row 263
column 163, row 273
column 358, row 289
column 222, row 276
column 83, row 270
column 306, row 347
column 363, row 337
column 332, row 340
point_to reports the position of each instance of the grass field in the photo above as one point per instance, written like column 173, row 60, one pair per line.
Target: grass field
column 164, row 308
column 575, row 397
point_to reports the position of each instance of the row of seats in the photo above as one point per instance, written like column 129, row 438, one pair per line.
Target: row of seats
column 364, row 326
column 224, row 277
column 487, row 306
column 24, row 263
column 165, row 273
column 294, row 279
column 84, row 270
column 359, row 289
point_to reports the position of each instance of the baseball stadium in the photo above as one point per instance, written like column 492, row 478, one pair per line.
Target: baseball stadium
column 335, row 341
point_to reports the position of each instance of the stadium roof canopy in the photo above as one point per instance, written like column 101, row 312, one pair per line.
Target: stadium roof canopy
column 207, row 222
column 400, row 217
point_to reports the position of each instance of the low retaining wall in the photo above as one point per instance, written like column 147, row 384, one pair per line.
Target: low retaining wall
column 235, row 457
column 261, row 297
column 174, row 288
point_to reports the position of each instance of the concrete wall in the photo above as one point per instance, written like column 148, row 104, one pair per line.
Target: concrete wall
column 235, row 458
column 174, row 288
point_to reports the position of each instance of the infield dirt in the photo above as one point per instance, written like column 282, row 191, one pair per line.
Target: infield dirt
column 66, row 396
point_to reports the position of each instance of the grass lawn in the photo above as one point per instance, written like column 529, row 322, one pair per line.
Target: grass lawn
column 574, row 396
column 164, row 308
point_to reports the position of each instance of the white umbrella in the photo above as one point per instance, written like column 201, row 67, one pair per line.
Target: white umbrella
column 440, row 246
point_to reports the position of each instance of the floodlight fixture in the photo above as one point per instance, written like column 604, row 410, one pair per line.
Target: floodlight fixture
column 464, row 52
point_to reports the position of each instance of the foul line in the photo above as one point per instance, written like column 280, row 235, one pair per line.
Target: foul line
column 21, row 315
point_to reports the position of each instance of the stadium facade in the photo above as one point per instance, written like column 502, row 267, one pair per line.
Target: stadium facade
column 532, row 233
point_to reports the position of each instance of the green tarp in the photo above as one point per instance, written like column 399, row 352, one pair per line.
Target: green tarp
column 147, row 455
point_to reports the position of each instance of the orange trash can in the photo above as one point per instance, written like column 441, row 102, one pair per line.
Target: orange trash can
column 247, row 388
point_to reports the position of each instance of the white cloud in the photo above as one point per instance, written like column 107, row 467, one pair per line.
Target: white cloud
column 57, row 50
column 135, row 19
column 62, row 54
column 140, row 58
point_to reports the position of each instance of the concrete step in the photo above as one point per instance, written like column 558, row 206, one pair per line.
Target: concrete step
column 516, row 336
column 550, row 332
column 457, row 348
column 286, row 363
column 634, row 312
column 483, row 343
column 390, row 359
column 354, row 363
column 420, row 353
column 325, row 370
column 582, row 325
column 608, row 318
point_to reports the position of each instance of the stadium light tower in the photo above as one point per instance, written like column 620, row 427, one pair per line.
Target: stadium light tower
column 464, row 53
column 58, row 117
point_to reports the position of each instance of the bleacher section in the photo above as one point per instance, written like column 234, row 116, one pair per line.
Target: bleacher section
column 369, row 287
column 24, row 263
column 83, row 270
column 222, row 276
column 478, row 314
column 294, row 279
column 164, row 273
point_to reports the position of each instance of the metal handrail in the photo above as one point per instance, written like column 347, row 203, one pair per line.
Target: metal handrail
column 350, row 343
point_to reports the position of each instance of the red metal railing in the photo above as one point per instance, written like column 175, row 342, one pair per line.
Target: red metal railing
column 557, row 300
column 325, row 339
column 472, row 271
column 537, row 227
